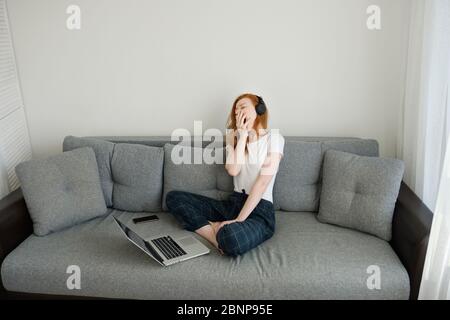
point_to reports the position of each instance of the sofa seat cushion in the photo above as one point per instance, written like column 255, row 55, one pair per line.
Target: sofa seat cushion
column 305, row 259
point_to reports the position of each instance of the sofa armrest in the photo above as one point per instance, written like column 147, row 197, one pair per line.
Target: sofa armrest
column 15, row 226
column 411, row 227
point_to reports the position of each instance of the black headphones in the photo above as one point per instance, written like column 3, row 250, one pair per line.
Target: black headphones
column 261, row 106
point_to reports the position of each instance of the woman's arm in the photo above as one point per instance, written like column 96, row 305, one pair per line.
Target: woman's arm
column 268, row 170
column 235, row 155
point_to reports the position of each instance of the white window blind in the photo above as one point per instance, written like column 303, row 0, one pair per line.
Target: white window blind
column 14, row 139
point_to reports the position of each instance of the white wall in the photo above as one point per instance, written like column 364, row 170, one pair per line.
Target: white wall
column 140, row 67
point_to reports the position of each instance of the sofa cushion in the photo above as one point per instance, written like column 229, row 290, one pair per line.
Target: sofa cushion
column 360, row 192
column 103, row 152
column 305, row 259
column 210, row 180
column 362, row 147
column 137, row 171
column 62, row 190
column 298, row 182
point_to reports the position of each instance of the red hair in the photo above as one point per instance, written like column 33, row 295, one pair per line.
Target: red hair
column 260, row 121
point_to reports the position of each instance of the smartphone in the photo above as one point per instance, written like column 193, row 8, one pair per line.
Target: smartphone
column 145, row 219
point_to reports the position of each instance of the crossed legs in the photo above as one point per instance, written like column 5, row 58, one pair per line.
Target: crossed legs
column 202, row 215
column 209, row 232
column 199, row 214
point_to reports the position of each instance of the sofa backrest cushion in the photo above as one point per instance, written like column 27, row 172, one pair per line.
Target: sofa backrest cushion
column 210, row 180
column 62, row 190
column 296, row 188
column 362, row 147
column 137, row 172
column 103, row 152
column 360, row 192
column 298, row 182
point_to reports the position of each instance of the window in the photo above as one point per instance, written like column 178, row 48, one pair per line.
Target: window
column 14, row 139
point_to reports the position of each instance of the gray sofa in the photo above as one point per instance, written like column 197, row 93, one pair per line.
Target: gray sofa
column 305, row 259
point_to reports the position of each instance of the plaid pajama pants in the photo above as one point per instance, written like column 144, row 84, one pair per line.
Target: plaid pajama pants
column 193, row 211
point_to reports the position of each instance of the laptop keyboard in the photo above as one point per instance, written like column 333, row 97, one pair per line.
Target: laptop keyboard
column 169, row 248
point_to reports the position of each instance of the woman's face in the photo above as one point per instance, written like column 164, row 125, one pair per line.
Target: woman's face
column 245, row 106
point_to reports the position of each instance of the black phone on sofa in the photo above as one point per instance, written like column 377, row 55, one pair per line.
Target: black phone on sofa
column 153, row 217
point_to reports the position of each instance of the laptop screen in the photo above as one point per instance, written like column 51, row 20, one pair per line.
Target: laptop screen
column 137, row 240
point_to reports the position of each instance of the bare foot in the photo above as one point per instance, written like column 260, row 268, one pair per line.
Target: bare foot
column 209, row 233
column 215, row 226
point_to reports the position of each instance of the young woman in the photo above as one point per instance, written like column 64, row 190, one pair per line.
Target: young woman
column 247, row 217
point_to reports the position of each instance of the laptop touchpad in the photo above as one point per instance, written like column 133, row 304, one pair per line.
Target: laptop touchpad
column 187, row 241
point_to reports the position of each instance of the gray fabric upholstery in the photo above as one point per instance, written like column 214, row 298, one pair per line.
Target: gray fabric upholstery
column 305, row 259
column 298, row 182
column 160, row 141
column 62, row 190
column 103, row 153
column 360, row 192
column 210, row 180
column 138, row 177
column 362, row 147
column 126, row 186
column 297, row 186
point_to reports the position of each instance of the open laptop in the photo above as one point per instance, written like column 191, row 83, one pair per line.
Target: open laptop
column 166, row 250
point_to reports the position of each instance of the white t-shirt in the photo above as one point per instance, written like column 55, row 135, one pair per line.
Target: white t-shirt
column 257, row 152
